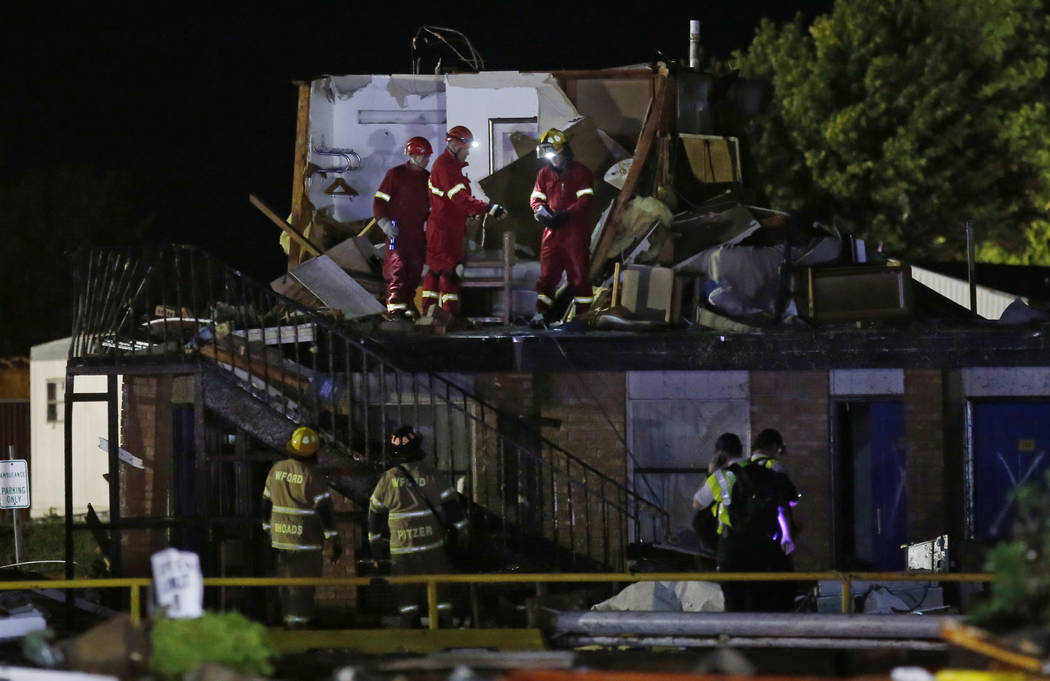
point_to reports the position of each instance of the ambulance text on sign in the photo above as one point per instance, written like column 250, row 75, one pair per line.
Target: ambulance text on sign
column 14, row 483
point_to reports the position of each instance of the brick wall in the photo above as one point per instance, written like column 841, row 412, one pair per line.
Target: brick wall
column 924, row 452
column 592, row 408
column 796, row 404
column 146, row 430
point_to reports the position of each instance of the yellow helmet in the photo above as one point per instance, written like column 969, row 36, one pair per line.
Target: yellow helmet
column 304, row 442
column 551, row 144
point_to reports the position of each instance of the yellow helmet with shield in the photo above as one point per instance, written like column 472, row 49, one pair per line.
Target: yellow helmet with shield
column 551, row 144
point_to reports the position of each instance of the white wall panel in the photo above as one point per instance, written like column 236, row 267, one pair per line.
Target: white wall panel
column 866, row 381
column 1006, row 382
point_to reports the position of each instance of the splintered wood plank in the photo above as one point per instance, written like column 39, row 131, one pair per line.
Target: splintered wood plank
column 653, row 117
column 300, row 210
column 280, row 222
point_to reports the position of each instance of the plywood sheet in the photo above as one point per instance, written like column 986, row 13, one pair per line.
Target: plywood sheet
column 335, row 288
column 713, row 158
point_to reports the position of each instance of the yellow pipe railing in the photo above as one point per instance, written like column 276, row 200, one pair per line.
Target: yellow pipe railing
column 135, row 584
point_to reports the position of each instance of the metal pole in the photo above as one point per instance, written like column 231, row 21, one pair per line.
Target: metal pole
column 68, row 470
column 14, row 515
column 695, row 51
column 970, row 265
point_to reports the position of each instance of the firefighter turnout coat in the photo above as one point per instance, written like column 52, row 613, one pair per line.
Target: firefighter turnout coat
column 403, row 197
column 400, row 517
column 296, row 492
column 565, row 248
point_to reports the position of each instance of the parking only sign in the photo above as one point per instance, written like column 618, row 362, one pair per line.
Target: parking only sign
column 14, row 483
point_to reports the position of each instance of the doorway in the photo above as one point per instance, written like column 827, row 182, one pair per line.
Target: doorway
column 1010, row 442
column 871, row 484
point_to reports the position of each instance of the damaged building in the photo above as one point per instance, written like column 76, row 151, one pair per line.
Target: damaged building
column 906, row 415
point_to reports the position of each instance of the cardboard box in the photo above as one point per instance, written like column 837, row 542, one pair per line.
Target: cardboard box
column 854, row 292
column 651, row 293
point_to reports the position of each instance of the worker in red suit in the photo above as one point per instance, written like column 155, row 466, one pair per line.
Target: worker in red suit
column 400, row 207
column 561, row 201
column 450, row 203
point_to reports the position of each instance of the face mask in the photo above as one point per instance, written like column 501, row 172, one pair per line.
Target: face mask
column 408, row 451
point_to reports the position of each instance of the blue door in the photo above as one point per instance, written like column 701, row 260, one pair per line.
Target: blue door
column 1010, row 445
column 874, row 505
column 888, row 486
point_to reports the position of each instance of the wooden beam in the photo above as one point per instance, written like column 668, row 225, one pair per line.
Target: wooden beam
column 300, row 209
column 650, row 128
column 257, row 368
column 297, row 237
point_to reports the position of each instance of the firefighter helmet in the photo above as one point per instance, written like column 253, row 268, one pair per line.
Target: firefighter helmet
column 461, row 133
column 304, row 442
column 405, row 444
column 418, row 146
column 551, row 144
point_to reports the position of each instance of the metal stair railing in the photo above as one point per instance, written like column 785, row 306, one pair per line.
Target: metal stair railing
column 180, row 304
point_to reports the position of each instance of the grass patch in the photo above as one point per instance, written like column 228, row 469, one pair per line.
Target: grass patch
column 44, row 539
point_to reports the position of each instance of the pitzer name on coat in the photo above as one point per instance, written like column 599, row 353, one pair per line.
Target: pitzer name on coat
column 415, row 532
column 290, row 477
column 405, row 482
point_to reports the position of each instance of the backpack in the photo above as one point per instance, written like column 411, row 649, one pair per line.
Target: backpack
column 756, row 495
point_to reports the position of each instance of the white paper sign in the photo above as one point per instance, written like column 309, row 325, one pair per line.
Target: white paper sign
column 14, row 483
column 177, row 583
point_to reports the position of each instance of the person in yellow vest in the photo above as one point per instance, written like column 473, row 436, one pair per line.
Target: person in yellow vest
column 412, row 510
column 747, row 498
column 299, row 507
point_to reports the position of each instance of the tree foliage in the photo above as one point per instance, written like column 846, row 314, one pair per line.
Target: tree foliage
column 1020, row 595
column 909, row 117
column 47, row 214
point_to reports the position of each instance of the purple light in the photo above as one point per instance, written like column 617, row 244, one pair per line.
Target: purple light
column 786, row 542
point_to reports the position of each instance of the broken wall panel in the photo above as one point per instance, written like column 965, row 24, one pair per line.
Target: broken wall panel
column 615, row 101
column 358, row 128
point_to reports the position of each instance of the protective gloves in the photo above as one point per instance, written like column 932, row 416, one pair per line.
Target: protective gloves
column 388, row 226
column 543, row 216
column 551, row 220
column 495, row 210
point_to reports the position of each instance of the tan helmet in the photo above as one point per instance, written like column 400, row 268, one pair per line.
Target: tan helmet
column 304, row 442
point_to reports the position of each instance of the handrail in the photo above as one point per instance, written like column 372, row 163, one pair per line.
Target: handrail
column 432, row 581
column 339, row 385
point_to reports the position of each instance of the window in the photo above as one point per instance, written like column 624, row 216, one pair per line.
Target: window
column 503, row 133
column 56, row 391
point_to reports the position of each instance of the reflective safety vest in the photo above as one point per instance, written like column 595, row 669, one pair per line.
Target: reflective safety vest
column 413, row 526
column 295, row 491
column 721, row 485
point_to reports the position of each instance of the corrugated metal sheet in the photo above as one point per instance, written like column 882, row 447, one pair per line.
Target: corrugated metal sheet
column 990, row 303
column 14, row 428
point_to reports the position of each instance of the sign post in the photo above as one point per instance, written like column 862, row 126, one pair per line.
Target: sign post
column 14, row 492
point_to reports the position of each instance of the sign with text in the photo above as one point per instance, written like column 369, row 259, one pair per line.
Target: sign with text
column 177, row 583
column 14, row 483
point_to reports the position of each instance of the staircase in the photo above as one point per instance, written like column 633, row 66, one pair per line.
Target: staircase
column 267, row 363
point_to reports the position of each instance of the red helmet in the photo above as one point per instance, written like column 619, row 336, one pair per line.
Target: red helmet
column 418, row 146
column 460, row 133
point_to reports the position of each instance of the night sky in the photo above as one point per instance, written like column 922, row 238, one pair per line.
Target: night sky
column 199, row 105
